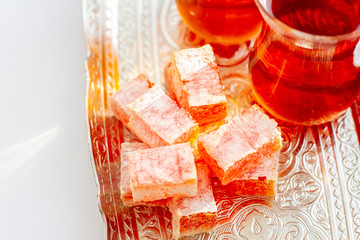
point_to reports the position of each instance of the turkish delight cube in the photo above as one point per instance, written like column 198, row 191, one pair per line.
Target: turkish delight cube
column 195, row 80
column 193, row 215
column 240, row 145
column 260, row 181
column 163, row 172
column 125, row 189
column 158, row 121
column 127, row 94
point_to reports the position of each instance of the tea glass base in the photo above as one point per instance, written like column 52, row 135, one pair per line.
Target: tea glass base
column 226, row 55
column 238, row 54
column 310, row 122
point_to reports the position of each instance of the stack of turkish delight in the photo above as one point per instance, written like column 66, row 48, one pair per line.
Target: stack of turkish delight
column 172, row 163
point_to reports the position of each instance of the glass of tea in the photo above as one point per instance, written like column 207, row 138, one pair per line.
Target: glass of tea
column 225, row 24
column 305, row 65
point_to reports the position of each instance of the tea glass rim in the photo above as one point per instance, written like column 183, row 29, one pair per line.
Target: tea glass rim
column 265, row 10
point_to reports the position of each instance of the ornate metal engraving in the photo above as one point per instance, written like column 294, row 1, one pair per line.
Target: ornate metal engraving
column 319, row 176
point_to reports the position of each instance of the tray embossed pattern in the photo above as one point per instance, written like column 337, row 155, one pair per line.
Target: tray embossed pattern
column 318, row 192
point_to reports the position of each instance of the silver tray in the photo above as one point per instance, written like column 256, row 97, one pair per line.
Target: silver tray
column 318, row 193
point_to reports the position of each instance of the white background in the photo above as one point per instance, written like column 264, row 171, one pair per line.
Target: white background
column 47, row 188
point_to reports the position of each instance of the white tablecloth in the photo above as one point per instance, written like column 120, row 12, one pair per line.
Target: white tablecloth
column 47, row 188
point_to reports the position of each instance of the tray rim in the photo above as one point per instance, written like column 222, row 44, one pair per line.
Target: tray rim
column 101, row 50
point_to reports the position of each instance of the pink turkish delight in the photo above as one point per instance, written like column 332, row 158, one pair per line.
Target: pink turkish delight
column 127, row 94
column 240, row 145
column 158, row 121
column 163, row 172
column 126, row 194
column 194, row 78
column 260, row 181
column 193, row 215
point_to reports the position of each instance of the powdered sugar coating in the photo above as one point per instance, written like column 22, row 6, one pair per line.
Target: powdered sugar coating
column 192, row 215
column 196, row 83
column 203, row 202
column 127, row 94
column 164, row 122
column 125, row 188
column 240, row 145
column 268, row 169
column 162, row 172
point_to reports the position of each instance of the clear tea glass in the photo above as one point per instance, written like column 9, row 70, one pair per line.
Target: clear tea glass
column 226, row 24
column 305, row 65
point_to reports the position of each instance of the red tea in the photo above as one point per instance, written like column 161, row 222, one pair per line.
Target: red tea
column 221, row 21
column 304, row 81
column 319, row 17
